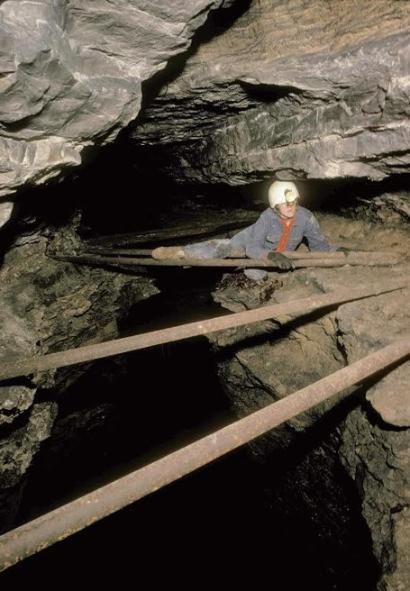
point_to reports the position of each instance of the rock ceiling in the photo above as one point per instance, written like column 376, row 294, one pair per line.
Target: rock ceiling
column 299, row 89
column 71, row 74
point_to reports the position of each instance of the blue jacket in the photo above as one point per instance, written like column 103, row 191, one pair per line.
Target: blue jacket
column 263, row 236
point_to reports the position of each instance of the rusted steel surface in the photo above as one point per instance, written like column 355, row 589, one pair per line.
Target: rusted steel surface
column 299, row 263
column 136, row 252
column 21, row 367
column 79, row 514
column 309, row 255
column 148, row 252
column 359, row 255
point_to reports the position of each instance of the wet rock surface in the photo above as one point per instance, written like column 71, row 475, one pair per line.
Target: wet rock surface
column 264, row 362
column 377, row 458
column 294, row 90
column 47, row 306
column 285, row 92
column 72, row 74
column 52, row 305
column 298, row 90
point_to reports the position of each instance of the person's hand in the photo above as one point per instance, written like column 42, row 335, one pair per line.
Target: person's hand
column 280, row 261
column 344, row 250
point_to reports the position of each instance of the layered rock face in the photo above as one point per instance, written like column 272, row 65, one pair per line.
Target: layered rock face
column 72, row 72
column 368, row 435
column 296, row 90
column 48, row 305
column 292, row 89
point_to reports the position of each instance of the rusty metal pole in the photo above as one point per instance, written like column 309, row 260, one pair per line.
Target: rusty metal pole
column 20, row 367
column 135, row 252
column 299, row 263
column 357, row 255
column 151, row 252
column 57, row 525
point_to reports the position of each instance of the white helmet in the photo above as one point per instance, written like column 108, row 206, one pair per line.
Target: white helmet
column 282, row 192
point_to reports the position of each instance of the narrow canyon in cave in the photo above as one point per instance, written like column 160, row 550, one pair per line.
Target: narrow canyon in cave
column 138, row 140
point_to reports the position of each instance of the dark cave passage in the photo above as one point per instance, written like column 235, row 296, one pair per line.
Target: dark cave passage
column 236, row 520
column 224, row 522
column 129, row 131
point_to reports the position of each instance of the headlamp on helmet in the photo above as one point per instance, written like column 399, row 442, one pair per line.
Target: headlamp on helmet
column 282, row 192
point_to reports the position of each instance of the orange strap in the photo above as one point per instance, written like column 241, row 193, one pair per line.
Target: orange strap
column 284, row 238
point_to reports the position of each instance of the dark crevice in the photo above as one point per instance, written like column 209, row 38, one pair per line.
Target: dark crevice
column 236, row 515
column 228, row 519
column 268, row 93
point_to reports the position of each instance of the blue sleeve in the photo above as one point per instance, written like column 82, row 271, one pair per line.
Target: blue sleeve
column 316, row 240
column 256, row 238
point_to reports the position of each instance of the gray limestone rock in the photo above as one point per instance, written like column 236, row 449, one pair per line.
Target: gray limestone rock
column 17, row 451
column 6, row 210
column 263, row 362
column 296, row 90
column 283, row 92
column 390, row 397
column 369, row 325
column 17, row 340
column 378, row 460
column 72, row 72
column 47, row 305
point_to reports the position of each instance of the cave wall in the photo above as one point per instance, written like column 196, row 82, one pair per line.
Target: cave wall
column 314, row 90
column 72, row 73
column 377, row 459
column 49, row 305
column 296, row 90
column 346, row 453
column 293, row 89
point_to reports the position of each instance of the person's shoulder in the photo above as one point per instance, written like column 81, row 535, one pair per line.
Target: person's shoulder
column 305, row 214
column 267, row 214
column 304, row 211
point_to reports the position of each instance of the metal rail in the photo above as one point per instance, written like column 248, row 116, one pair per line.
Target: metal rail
column 20, row 367
column 298, row 263
column 240, row 253
column 57, row 525
column 135, row 252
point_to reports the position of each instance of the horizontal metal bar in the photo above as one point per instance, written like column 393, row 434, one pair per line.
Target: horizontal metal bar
column 21, row 367
column 298, row 255
column 145, row 252
column 57, row 525
column 149, row 252
column 300, row 263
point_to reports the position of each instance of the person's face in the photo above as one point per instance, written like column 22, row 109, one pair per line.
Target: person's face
column 287, row 210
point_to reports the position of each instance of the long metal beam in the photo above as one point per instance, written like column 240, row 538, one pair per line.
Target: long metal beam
column 299, row 263
column 20, row 367
column 57, row 525
column 240, row 254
